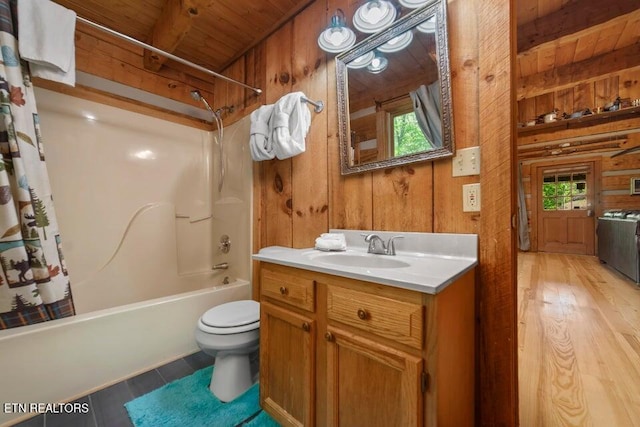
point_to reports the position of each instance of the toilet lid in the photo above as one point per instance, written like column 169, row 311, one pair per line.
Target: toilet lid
column 233, row 314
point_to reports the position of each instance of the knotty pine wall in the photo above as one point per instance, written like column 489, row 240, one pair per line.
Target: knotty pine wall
column 592, row 95
column 612, row 182
column 614, row 173
column 297, row 199
column 613, row 179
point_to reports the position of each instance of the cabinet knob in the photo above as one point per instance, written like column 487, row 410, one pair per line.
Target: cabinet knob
column 306, row 327
column 283, row 290
column 363, row 314
column 329, row 336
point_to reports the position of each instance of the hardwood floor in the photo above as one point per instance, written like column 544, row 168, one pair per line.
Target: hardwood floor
column 578, row 343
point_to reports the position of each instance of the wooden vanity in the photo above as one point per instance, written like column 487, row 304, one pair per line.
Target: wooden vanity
column 335, row 351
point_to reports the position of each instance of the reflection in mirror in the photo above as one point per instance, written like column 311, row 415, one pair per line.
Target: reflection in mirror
column 394, row 94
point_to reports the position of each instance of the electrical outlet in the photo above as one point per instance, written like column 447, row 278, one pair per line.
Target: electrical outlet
column 471, row 198
column 467, row 162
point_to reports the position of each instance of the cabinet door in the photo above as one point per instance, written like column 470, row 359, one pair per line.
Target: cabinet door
column 370, row 384
column 287, row 365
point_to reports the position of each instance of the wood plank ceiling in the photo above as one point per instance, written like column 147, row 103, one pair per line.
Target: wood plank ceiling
column 560, row 39
column 209, row 33
column 556, row 38
column 568, row 44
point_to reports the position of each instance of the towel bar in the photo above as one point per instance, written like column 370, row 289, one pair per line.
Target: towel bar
column 319, row 105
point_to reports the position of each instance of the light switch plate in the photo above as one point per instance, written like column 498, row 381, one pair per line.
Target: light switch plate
column 471, row 198
column 467, row 162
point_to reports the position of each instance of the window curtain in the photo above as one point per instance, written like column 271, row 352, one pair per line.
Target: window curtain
column 426, row 105
column 34, row 286
column 523, row 219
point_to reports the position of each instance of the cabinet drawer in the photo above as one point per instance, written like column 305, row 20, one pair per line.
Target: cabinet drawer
column 287, row 287
column 389, row 318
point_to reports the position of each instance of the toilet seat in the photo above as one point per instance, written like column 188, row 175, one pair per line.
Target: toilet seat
column 231, row 318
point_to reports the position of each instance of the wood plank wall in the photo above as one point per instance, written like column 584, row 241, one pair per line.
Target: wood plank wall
column 614, row 174
column 592, row 95
column 111, row 58
column 297, row 199
column 612, row 180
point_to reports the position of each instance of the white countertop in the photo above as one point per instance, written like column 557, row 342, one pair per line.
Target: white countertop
column 428, row 273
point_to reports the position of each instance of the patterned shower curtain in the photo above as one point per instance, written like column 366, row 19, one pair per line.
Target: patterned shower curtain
column 34, row 286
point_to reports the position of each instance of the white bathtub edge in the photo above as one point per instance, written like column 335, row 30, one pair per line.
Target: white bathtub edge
column 73, row 357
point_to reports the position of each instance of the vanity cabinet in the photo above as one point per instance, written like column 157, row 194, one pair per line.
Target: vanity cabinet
column 341, row 352
column 287, row 353
column 371, row 384
column 287, row 346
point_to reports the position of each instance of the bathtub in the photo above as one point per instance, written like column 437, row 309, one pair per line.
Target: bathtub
column 141, row 279
column 65, row 359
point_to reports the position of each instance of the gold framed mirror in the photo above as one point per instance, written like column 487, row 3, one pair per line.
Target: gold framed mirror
column 394, row 94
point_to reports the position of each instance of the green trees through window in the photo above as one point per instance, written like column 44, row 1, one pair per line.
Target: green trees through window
column 564, row 191
column 408, row 138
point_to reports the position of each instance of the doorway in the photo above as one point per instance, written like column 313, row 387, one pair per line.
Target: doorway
column 564, row 207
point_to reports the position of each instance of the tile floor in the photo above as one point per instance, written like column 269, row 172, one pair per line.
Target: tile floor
column 106, row 406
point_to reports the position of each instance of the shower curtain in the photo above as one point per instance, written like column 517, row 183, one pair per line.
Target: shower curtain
column 34, row 286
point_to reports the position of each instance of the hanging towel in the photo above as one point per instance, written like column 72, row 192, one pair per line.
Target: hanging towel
column 46, row 40
column 259, row 139
column 289, row 125
column 331, row 242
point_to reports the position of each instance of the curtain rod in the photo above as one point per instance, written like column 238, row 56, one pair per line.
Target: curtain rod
column 165, row 54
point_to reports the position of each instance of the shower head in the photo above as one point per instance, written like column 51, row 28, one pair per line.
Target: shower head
column 195, row 94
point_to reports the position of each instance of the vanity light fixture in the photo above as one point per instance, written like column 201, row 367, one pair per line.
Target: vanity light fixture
column 379, row 64
column 337, row 37
column 413, row 4
column 428, row 26
column 361, row 61
column 374, row 16
column 397, row 43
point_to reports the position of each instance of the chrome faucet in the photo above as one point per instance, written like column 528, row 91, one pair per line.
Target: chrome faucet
column 391, row 247
column 377, row 245
column 221, row 266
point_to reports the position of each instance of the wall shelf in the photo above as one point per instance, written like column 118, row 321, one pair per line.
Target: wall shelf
column 584, row 121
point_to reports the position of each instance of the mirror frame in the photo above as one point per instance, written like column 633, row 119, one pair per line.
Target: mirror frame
column 439, row 9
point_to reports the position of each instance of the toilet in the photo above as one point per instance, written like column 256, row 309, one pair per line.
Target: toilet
column 231, row 333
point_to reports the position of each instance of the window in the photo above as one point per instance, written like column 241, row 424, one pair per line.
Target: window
column 408, row 138
column 564, row 191
column 399, row 129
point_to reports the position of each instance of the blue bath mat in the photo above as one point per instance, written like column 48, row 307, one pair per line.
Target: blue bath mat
column 188, row 402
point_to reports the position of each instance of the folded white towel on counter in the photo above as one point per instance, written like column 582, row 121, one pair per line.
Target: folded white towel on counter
column 289, row 125
column 331, row 242
column 260, row 141
column 46, row 40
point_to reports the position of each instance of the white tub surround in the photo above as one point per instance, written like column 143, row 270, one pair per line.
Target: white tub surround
column 147, row 216
column 424, row 262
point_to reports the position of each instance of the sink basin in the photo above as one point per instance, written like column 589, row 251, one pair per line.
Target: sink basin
column 361, row 260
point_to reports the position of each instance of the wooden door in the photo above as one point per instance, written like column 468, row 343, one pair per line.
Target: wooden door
column 287, row 371
column 566, row 221
column 370, row 384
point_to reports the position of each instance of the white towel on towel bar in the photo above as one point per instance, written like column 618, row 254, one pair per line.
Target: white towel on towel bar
column 260, row 136
column 289, row 125
column 46, row 40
